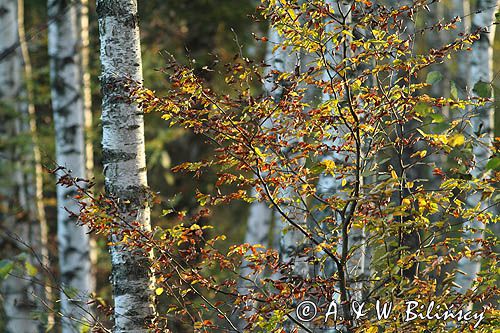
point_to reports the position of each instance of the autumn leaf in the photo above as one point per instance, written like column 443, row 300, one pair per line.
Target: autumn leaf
column 456, row 140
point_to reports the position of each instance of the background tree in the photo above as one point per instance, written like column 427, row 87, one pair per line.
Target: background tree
column 482, row 129
column 67, row 105
column 89, row 131
column 34, row 183
column 18, row 221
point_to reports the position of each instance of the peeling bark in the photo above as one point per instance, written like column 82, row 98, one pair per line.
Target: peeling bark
column 125, row 160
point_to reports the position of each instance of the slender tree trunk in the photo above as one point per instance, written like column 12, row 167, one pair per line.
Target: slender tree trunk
column 258, row 232
column 125, row 160
column 17, row 289
column 67, row 105
column 264, row 224
column 284, row 61
column 436, row 39
column 462, row 8
column 328, row 186
column 481, row 70
column 400, row 161
column 83, row 27
column 83, row 24
column 39, row 234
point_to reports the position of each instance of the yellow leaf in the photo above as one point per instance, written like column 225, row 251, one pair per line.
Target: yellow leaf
column 456, row 140
column 394, row 175
column 344, row 181
column 372, row 329
column 258, row 152
column 347, row 32
column 406, row 201
column 329, row 167
column 420, row 154
column 195, row 227
column 159, row 291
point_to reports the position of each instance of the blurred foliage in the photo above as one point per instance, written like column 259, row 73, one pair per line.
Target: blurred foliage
column 202, row 31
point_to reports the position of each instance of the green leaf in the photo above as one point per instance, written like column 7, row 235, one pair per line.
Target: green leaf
column 441, row 127
column 433, row 77
column 497, row 17
column 70, row 292
column 437, row 118
column 23, row 256
column 30, row 269
column 482, row 89
column 5, row 267
column 453, row 90
column 493, row 164
column 423, row 109
column 165, row 212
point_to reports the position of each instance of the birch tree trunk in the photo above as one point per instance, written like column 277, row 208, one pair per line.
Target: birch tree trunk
column 39, row 232
column 290, row 206
column 258, row 232
column 16, row 216
column 328, row 185
column 284, row 61
column 264, row 224
column 67, row 105
column 481, row 70
column 462, row 8
column 260, row 218
column 124, row 159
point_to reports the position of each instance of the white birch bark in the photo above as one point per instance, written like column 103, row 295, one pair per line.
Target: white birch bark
column 462, row 8
column 67, row 106
column 258, row 232
column 259, row 224
column 481, row 70
column 124, row 159
column 260, row 216
column 291, row 239
column 264, row 224
column 328, row 185
column 16, row 289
